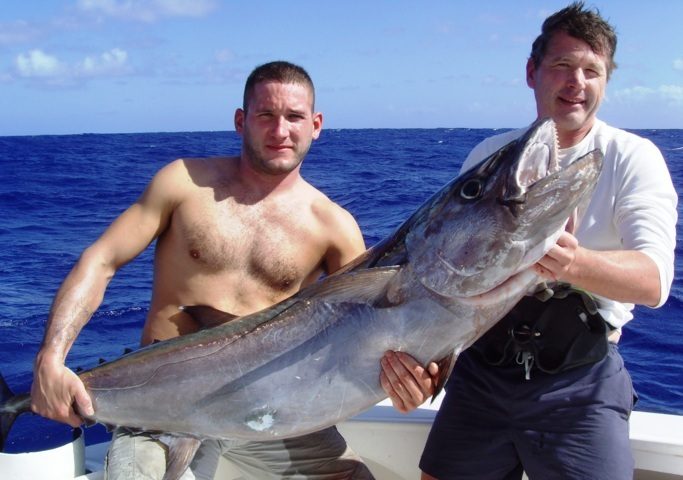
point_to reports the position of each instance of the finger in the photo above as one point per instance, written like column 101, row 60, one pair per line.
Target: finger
column 396, row 400
column 78, row 397
column 566, row 239
column 544, row 272
column 83, row 402
column 558, row 257
column 420, row 375
column 394, row 371
column 74, row 420
column 389, row 369
column 408, row 378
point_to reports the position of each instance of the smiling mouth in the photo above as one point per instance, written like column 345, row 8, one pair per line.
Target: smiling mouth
column 572, row 101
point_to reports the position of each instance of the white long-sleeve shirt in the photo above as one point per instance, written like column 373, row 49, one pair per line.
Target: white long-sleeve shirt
column 633, row 206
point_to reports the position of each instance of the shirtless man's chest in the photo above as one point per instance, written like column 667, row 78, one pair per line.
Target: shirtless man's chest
column 236, row 256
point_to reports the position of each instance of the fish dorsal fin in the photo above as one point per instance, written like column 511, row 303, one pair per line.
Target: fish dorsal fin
column 207, row 316
column 362, row 286
column 181, row 451
column 446, row 365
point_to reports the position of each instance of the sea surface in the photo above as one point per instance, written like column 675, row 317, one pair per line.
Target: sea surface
column 58, row 193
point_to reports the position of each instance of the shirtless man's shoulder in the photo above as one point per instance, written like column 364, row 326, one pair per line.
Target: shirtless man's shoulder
column 333, row 219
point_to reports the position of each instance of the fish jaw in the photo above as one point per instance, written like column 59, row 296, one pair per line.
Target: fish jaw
column 500, row 217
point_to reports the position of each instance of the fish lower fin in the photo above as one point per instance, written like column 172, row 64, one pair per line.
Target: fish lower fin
column 207, row 316
column 181, row 451
column 446, row 365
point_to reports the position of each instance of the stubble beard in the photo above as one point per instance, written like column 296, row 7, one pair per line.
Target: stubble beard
column 260, row 163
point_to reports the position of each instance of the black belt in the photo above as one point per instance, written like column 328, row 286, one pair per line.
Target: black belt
column 552, row 334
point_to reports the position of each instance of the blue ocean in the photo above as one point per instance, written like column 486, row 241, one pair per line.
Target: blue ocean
column 58, row 193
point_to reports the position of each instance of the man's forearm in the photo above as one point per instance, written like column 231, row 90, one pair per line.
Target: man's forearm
column 77, row 299
column 625, row 276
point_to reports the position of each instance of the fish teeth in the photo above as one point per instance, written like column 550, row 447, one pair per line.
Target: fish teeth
column 554, row 163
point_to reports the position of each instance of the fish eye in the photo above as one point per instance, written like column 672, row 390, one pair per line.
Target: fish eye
column 471, row 189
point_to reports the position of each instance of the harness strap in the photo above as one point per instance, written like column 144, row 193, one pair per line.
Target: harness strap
column 555, row 329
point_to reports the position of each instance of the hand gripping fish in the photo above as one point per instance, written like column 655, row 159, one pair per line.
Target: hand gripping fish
column 446, row 275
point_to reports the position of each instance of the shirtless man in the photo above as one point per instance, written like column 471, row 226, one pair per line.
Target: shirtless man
column 238, row 234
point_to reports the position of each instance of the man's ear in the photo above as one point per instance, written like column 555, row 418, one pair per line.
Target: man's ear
column 530, row 73
column 317, row 124
column 239, row 120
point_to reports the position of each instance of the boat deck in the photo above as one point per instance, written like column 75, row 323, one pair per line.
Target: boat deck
column 391, row 444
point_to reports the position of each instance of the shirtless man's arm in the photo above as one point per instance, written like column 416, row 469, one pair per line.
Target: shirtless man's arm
column 346, row 242
column 55, row 388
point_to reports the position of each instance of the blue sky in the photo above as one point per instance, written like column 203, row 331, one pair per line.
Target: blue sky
column 112, row 66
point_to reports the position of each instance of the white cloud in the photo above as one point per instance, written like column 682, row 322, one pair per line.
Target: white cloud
column 109, row 63
column 678, row 64
column 37, row 63
column 42, row 67
column 636, row 92
column 147, row 10
column 670, row 93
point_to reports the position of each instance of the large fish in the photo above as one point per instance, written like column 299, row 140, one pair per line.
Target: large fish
column 449, row 273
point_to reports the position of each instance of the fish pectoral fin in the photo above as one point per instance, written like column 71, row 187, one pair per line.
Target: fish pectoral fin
column 181, row 451
column 446, row 365
column 362, row 286
column 207, row 316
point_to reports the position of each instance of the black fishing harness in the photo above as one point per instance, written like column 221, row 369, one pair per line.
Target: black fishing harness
column 553, row 330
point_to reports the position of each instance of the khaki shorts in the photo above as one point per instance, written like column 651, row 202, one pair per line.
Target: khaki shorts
column 321, row 455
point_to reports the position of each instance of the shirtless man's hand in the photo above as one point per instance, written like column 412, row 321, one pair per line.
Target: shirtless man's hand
column 55, row 392
column 407, row 383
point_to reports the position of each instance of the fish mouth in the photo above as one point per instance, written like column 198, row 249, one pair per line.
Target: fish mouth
column 542, row 141
column 510, row 290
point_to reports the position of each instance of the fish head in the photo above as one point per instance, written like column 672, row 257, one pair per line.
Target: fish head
column 500, row 217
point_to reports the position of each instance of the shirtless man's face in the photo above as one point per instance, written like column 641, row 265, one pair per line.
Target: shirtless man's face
column 278, row 127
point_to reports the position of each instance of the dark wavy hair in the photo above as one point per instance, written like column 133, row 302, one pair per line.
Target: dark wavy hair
column 278, row 71
column 584, row 24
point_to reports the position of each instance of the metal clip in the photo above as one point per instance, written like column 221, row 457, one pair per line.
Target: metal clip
column 527, row 359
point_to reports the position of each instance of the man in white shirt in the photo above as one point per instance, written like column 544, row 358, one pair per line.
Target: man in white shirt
column 537, row 393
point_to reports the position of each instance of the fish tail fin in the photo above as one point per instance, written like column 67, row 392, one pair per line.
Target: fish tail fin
column 11, row 406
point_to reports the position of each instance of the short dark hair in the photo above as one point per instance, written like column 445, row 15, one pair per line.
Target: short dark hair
column 278, row 71
column 584, row 24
